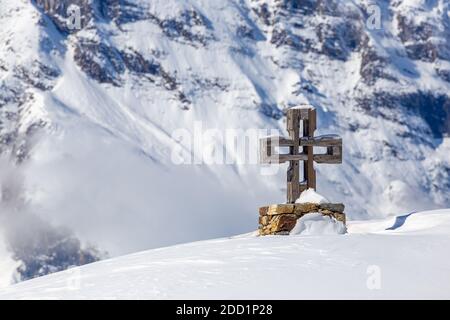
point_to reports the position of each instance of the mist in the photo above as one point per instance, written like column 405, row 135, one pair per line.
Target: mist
column 31, row 246
column 83, row 195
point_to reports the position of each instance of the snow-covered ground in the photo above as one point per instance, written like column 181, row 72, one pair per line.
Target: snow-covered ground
column 397, row 257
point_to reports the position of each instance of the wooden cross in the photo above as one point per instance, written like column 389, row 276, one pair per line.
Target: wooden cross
column 295, row 117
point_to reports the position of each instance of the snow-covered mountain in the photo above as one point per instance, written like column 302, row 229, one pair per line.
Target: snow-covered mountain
column 87, row 115
column 393, row 258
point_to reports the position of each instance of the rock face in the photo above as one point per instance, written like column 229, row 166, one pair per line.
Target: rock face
column 280, row 219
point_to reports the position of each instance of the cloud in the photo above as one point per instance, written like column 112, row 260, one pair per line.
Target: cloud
column 32, row 246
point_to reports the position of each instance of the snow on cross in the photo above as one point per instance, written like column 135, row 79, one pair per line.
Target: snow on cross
column 333, row 143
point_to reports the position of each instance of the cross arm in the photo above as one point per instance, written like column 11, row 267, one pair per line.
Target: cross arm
column 321, row 141
column 333, row 156
column 333, row 143
column 318, row 141
column 268, row 155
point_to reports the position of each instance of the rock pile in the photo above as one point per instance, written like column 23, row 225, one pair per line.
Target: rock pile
column 280, row 219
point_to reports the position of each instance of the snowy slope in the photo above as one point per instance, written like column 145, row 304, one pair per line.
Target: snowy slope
column 409, row 261
column 87, row 115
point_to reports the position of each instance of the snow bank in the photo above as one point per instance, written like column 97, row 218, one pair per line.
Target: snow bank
column 318, row 224
column 311, row 196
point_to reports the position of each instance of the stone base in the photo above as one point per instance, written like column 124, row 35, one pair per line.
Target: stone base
column 280, row 219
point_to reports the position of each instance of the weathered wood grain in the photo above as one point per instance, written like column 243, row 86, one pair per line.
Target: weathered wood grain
column 301, row 148
column 293, row 173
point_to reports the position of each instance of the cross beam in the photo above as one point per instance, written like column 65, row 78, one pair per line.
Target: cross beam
column 304, row 143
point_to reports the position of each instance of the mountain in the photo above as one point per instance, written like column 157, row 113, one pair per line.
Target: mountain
column 89, row 105
column 373, row 261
